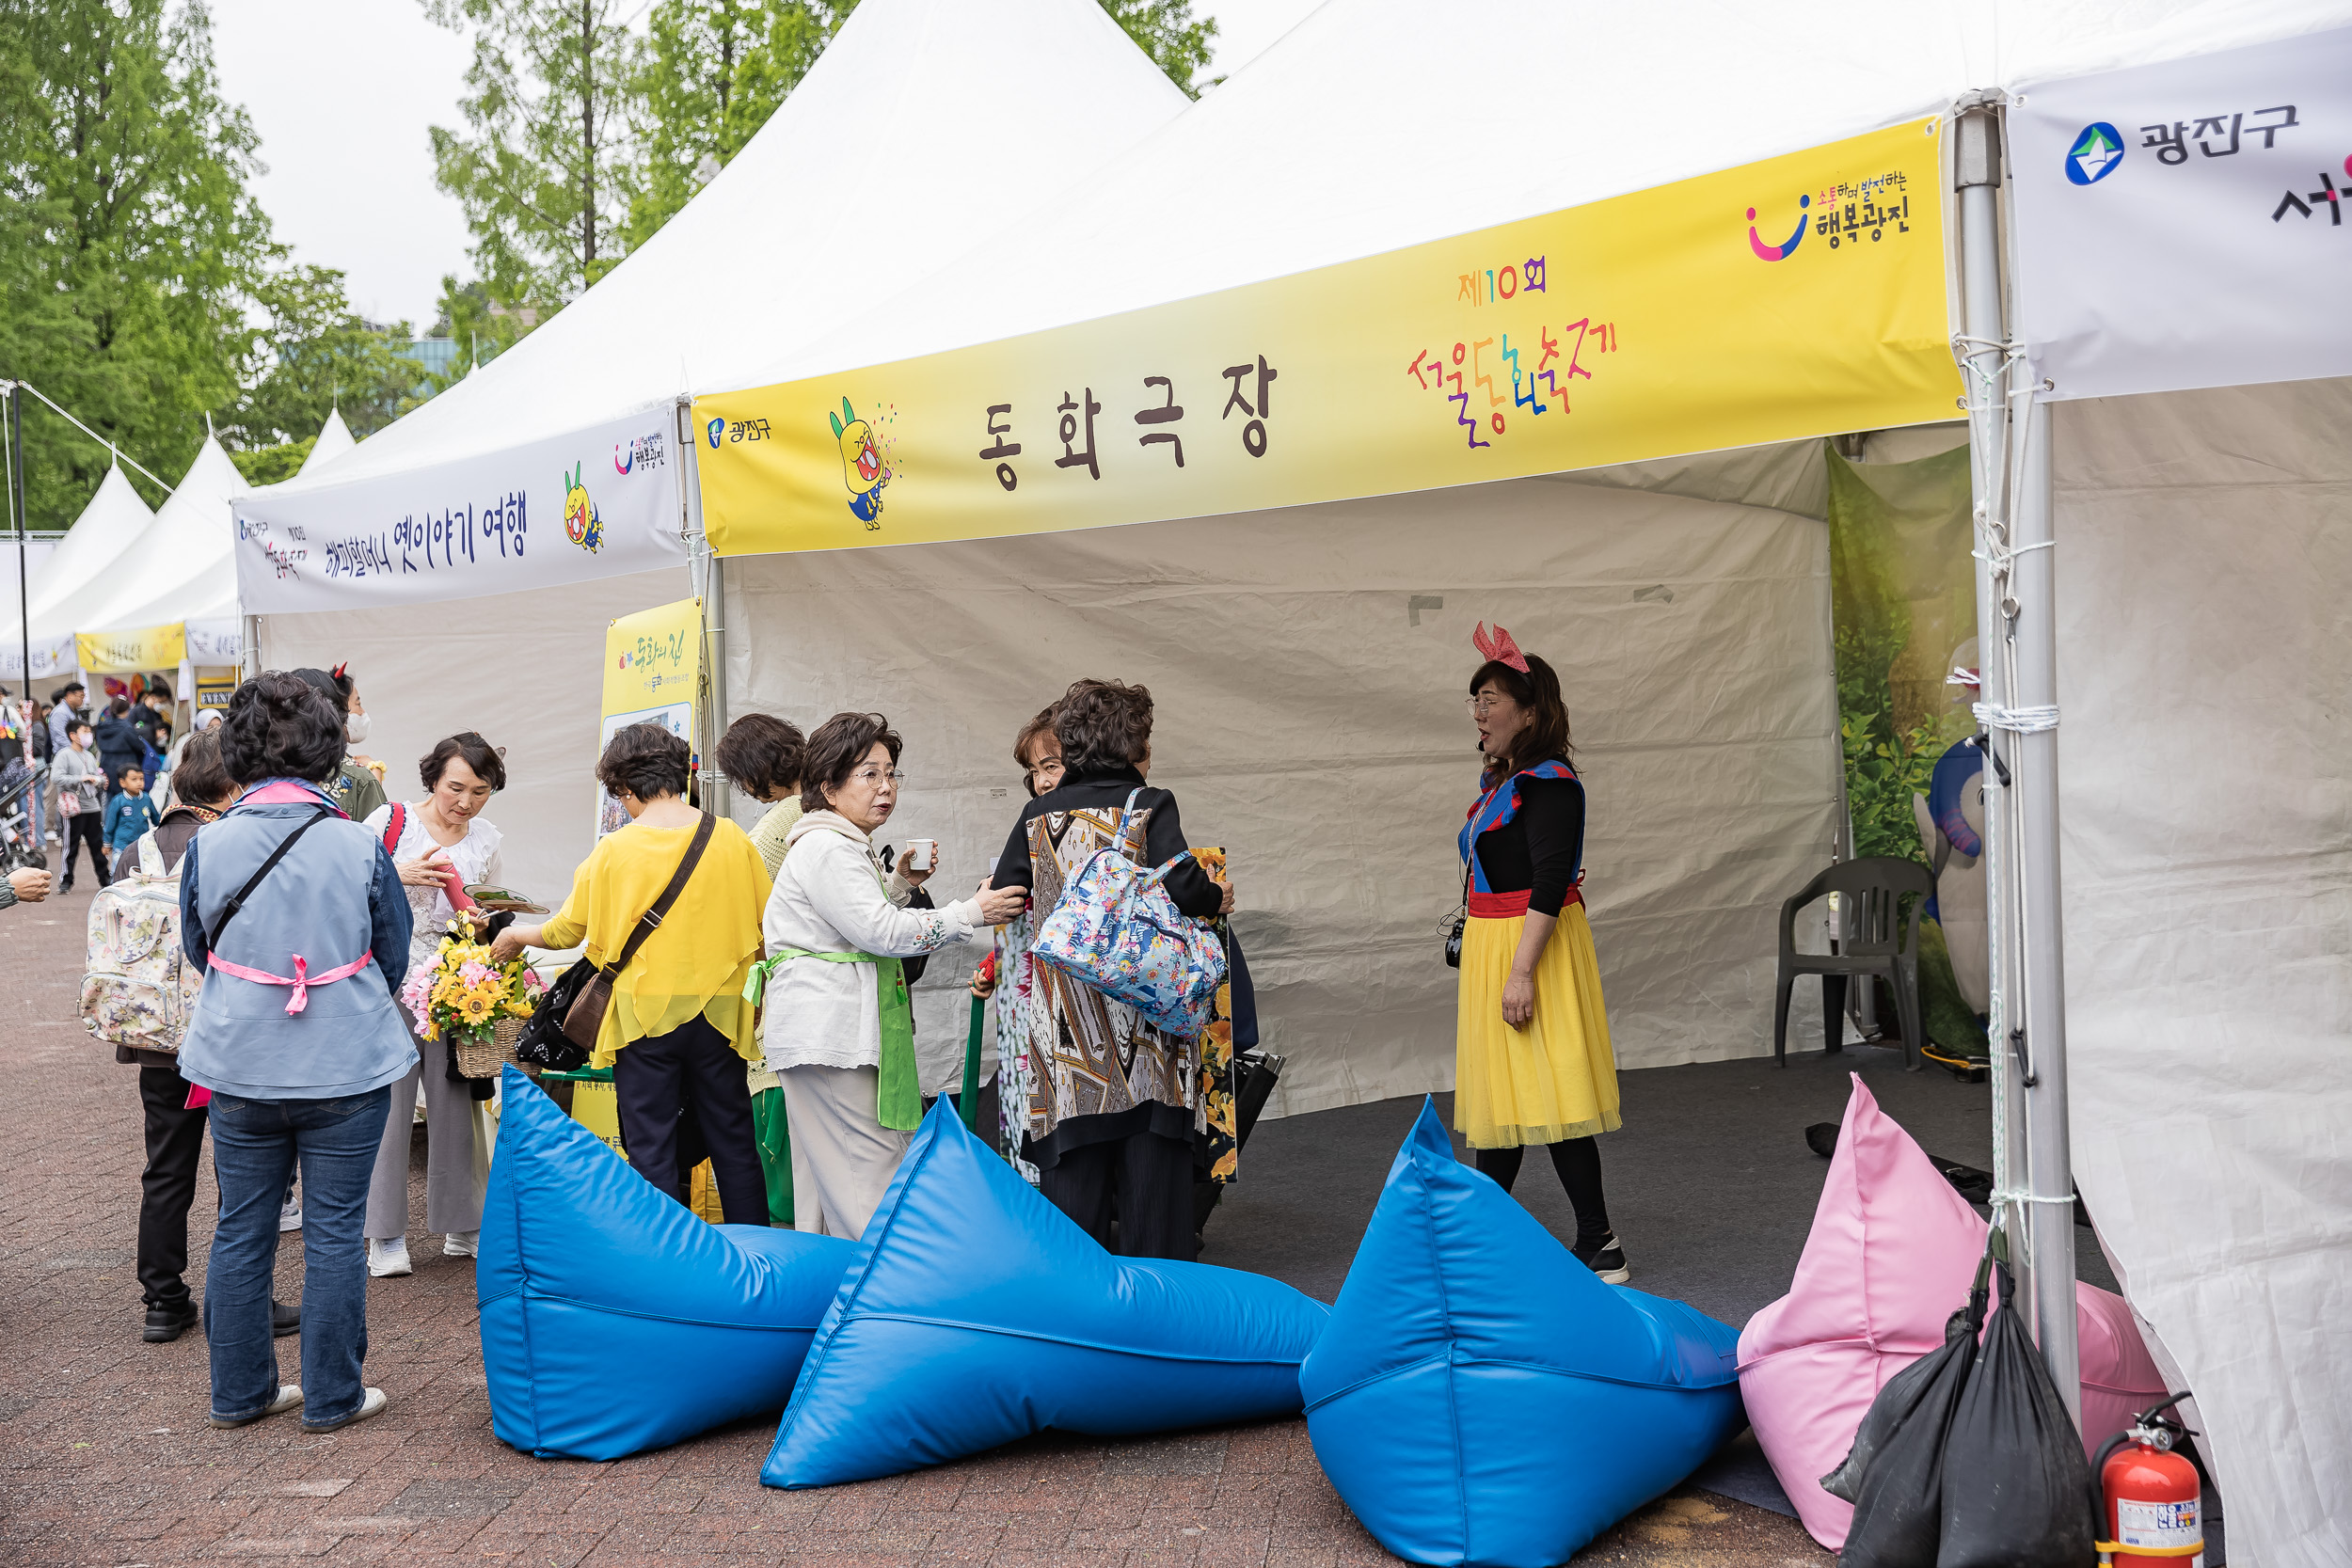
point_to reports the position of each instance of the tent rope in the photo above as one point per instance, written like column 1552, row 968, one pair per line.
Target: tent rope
column 2033, row 719
column 112, row 450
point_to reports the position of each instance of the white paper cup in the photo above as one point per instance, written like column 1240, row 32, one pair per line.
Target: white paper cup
column 926, row 853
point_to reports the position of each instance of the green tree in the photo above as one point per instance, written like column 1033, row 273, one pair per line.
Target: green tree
column 1166, row 31
column 129, row 244
column 481, row 323
column 315, row 354
column 710, row 74
column 540, row 169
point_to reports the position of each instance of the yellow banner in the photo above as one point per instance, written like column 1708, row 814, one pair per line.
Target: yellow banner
column 1797, row 296
column 122, row 653
column 653, row 672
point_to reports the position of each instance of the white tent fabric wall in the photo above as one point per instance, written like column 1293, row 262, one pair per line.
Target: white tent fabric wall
column 1309, row 716
column 2206, row 650
column 181, row 567
column 113, row 520
column 524, row 669
column 334, row 439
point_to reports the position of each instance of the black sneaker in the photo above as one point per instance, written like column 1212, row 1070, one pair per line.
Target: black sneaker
column 1607, row 1261
column 166, row 1324
column 284, row 1319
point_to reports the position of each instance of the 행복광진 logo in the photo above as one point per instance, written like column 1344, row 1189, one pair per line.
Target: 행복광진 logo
column 2094, row 155
column 1769, row 252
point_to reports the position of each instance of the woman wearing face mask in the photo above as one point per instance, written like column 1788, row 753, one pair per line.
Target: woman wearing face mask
column 436, row 843
column 357, row 787
column 1532, row 1062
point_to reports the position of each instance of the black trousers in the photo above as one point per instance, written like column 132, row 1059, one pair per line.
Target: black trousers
column 80, row 831
column 1143, row 1180
column 691, row 1072
column 175, row 1137
column 1578, row 1161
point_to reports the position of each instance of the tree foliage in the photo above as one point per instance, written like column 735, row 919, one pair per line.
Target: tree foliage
column 129, row 244
column 709, row 75
column 1167, row 30
column 315, row 354
column 541, row 171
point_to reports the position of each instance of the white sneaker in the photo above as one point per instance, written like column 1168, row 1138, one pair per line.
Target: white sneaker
column 390, row 1260
column 462, row 1244
column 371, row 1403
column 290, row 1214
column 288, row 1395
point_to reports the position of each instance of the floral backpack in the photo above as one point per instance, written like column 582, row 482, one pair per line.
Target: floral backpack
column 137, row 986
column 1117, row 930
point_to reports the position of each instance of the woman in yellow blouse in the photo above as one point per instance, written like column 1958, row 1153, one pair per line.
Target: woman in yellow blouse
column 678, row 1031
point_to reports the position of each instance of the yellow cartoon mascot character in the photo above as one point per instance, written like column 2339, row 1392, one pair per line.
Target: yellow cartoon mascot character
column 580, row 523
column 862, row 468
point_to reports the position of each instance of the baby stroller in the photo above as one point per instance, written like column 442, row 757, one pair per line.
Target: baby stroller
column 20, row 846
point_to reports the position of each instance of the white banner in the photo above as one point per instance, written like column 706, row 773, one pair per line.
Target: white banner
column 52, row 655
column 213, row 643
column 597, row 505
column 2183, row 225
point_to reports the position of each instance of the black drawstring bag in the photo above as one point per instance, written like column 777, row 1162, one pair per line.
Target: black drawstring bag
column 1895, row 1474
column 2014, row 1475
column 543, row 1044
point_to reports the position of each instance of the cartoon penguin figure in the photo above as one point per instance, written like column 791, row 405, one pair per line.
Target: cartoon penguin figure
column 862, row 468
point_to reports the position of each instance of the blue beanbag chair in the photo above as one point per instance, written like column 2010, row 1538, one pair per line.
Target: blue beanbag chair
column 613, row 1320
column 975, row 1312
column 1481, row 1399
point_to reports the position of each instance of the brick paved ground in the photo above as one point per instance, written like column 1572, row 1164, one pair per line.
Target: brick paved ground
column 105, row 1459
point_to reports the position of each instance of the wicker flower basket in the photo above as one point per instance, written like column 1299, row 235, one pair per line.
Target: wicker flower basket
column 478, row 1058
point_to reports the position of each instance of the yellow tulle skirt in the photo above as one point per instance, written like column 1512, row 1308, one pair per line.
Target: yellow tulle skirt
column 1555, row 1079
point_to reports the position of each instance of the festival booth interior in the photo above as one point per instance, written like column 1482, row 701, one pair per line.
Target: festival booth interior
column 1306, row 659
column 923, row 126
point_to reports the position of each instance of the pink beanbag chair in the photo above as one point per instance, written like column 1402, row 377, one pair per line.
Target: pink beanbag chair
column 1891, row 1255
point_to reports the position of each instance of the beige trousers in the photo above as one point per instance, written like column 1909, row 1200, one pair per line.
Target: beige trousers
column 456, row 1151
column 842, row 1158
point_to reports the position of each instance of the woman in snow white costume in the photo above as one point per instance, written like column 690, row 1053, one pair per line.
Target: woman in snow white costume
column 1533, row 1059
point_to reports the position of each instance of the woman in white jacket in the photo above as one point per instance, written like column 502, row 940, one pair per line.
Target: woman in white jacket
column 838, row 1031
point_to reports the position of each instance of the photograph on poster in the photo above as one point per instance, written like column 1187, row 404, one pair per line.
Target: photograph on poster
column 677, row 718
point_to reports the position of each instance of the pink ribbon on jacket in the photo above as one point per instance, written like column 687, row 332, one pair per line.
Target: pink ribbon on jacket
column 302, row 980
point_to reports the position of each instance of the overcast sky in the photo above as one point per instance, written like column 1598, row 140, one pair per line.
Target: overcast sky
column 341, row 106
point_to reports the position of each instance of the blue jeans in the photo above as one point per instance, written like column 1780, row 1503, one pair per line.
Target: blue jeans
column 256, row 1144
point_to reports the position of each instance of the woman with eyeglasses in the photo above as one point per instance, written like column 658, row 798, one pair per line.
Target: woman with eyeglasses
column 1532, row 1062
column 840, row 1028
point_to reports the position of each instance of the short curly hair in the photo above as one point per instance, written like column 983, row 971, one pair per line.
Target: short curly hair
column 280, row 727
column 763, row 754
column 837, row 749
column 1103, row 726
column 645, row 760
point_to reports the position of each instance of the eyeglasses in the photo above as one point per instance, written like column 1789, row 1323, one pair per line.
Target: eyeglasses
column 872, row 777
column 1481, row 706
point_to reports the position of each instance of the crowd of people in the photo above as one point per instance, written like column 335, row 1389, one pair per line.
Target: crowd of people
column 757, row 991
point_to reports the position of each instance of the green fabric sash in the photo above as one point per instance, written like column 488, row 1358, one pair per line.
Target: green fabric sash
column 898, row 1095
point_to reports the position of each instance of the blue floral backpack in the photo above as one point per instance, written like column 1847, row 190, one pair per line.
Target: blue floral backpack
column 1117, row 930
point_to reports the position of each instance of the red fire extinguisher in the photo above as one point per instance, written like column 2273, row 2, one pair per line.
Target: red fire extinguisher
column 2149, row 1492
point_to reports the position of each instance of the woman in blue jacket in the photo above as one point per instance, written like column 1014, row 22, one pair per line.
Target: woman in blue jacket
column 298, row 919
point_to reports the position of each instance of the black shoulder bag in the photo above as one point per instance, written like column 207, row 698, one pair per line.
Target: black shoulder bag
column 563, row 1028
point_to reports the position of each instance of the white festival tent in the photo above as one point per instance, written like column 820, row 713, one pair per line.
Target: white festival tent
column 334, row 439
column 922, row 127
column 98, row 539
column 1305, row 712
column 1305, row 661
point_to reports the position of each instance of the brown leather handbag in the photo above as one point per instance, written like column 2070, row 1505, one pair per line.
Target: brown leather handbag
column 584, row 1019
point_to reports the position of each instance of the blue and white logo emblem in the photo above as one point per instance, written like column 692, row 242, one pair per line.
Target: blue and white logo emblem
column 2094, row 155
column 715, row 429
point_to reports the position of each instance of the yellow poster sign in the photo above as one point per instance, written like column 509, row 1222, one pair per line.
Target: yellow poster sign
column 122, row 653
column 1797, row 296
column 653, row 675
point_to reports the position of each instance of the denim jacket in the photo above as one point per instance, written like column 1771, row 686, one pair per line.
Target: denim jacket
column 333, row 899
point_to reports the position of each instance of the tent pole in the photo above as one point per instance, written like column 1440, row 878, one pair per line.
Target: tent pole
column 250, row 655
column 707, row 575
column 2048, row 1153
column 16, row 501
column 1976, row 150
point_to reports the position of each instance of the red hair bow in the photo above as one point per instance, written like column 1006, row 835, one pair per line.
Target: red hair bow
column 1497, row 647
